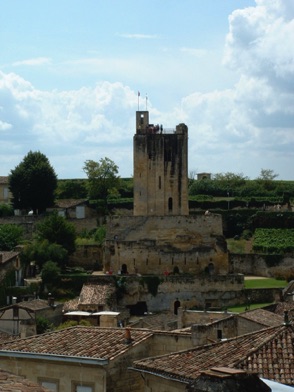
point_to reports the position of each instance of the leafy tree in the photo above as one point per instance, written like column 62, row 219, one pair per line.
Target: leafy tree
column 33, row 182
column 203, row 187
column 57, row 230
column 6, row 210
column 43, row 325
column 230, row 179
column 266, row 179
column 71, row 189
column 267, row 175
column 50, row 274
column 102, row 177
column 42, row 251
column 10, row 235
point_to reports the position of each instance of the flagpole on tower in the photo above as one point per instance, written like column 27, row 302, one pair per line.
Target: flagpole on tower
column 146, row 101
column 138, row 101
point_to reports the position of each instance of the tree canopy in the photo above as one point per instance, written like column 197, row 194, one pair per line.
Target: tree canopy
column 102, row 177
column 42, row 251
column 71, row 189
column 10, row 235
column 33, row 182
column 267, row 175
column 57, row 230
column 237, row 185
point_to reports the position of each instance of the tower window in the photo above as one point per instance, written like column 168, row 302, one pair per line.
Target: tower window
column 170, row 204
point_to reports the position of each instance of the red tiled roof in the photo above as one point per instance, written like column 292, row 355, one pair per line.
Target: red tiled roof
column 263, row 317
column 281, row 307
column 79, row 341
column 91, row 294
column 69, row 203
column 34, row 304
column 6, row 256
column 268, row 352
column 9, row 382
column 6, row 337
column 160, row 321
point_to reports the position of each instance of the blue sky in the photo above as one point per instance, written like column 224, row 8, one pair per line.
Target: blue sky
column 70, row 72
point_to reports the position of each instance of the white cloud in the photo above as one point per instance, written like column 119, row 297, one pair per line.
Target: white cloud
column 32, row 62
column 240, row 129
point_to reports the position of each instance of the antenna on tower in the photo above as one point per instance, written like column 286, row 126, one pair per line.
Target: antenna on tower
column 138, row 101
column 146, row 101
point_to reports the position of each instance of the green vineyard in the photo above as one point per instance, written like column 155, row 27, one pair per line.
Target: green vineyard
column 276, row 241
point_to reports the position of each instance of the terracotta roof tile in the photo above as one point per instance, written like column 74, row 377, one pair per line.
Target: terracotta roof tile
column 69, row 203
column 6, row 256
column 9, row 382
column 91, row 294
column 34, row 304
column 269, row 352
column 263, row 317
column 79, row 341
column 281, row 307
column 6, row 337
column 161, row 321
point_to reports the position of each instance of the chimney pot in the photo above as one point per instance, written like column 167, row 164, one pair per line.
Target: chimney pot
column 128, row 337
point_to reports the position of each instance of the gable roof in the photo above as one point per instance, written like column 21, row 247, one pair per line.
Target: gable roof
column 69, row 203
column 268, row 352
column 34, row 304
column 281, row 307
column 262, row 317
column 160, row 321
column 103, row 344
column 6, row 256
column 92, row 294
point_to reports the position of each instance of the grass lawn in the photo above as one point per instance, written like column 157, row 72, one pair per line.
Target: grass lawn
column 236, row 246
column 264, row 283
column 242, row 308
column 267, row 283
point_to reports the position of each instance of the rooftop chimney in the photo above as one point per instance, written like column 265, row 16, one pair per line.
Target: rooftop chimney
column 128, row 337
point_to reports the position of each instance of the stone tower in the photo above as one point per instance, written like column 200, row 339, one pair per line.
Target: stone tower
column 160, row 169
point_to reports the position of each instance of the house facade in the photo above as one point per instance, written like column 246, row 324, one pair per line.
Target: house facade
column 5, row 194
column 268, row 353
column 82, row 359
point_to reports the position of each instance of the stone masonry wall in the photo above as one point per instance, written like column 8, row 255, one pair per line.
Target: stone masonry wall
column 160, row 244
column 215, row 291
column 255, row 264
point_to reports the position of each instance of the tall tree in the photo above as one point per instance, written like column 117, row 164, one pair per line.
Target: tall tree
column 33, row 182
column 266, row 179
column 267, row 175
column 102, row 177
